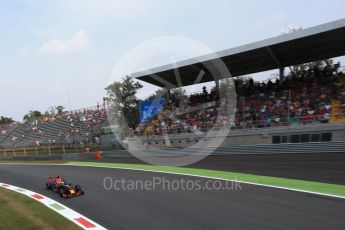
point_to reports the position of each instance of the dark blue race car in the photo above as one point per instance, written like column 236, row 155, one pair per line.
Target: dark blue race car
column 64, row 189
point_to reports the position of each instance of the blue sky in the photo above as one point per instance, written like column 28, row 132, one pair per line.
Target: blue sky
column 50, row 48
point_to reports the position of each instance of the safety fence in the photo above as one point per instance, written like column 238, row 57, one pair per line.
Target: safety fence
column 294, row 122
column 44, row 151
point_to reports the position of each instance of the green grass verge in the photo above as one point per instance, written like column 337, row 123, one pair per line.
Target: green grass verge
column 325, row 188
column 20, row 212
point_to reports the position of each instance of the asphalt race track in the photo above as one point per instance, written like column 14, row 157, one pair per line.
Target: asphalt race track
column 252, row 207
column 320, row 167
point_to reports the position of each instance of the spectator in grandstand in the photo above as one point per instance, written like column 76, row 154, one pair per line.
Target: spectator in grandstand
column 303, row 98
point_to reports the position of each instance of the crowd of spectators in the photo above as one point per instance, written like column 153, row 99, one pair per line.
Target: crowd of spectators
column 302, row 97
column 60, row 127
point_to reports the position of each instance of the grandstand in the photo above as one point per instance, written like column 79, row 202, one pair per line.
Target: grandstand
column 304, row 106
column 283, row 111
column 68, row 128
column 305, row 98
column 307, row 105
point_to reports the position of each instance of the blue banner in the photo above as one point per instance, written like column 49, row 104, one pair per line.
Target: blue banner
column 150, row 108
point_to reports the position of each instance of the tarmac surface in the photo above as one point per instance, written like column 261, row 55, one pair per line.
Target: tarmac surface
column 237, row 207
column 320, row 167
column 328, row 168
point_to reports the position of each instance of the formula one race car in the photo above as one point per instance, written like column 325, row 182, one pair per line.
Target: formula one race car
column 60, row 186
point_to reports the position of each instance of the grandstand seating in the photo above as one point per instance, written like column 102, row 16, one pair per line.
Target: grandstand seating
column 307, row 97
column 68, row 128
column 311, row 96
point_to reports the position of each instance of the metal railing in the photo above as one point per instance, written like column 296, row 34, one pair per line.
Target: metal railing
column 45, row 150
column 315, row 120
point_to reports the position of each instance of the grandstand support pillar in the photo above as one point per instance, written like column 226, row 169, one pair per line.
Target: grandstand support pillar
column 49, row 150
column 168, row 92
column 277, row 62
column 243, row 118
column 24, row 152
column 63, row 149
column 281, row 74
column 288, row 110
column 14, row 152
column 36, row 150
column 217, row 86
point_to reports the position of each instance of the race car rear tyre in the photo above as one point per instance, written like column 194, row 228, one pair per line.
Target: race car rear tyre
column 48, row 186
column 77, row 188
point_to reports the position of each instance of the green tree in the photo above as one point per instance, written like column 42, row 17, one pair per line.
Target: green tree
column 296, row 69
column 6, row 120
column 163, row 92
column 123, row 96
column 59, row 109
column 55, row 110
column 178, row 92
column 159, row 93
column 228, row 84
column 32, row 115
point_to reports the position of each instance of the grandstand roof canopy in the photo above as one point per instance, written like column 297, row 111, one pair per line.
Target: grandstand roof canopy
column 307, row 45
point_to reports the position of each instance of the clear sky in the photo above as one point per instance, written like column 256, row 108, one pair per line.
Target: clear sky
column 50, row 49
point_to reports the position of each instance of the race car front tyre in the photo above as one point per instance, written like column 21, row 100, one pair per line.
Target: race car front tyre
column 62, row 192
column 48, row 186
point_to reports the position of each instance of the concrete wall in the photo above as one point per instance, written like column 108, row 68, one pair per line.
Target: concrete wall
column 233, row 138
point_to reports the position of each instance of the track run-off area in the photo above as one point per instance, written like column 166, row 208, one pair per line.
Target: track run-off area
column 258, row 202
